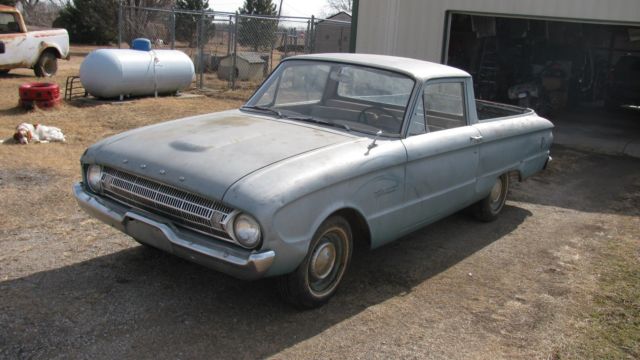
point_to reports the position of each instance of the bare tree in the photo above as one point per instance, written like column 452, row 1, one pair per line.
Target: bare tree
column 340, row 5
column 146, row 23
column 39, row 12
column 27, row 6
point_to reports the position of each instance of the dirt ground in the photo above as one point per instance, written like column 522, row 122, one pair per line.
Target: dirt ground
column 554, row 277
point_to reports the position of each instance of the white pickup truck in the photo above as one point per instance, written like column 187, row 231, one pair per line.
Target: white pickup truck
column 37, row 50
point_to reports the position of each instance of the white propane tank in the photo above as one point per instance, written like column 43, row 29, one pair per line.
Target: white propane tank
column 110, row 73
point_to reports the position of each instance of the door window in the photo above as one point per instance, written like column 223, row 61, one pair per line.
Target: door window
column 444, row 105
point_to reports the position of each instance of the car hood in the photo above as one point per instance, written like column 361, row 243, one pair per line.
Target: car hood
column 207, row 154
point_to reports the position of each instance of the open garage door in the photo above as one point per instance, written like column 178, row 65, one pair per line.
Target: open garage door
column 548, row 65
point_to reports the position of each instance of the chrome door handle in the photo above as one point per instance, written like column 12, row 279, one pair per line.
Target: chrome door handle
column 476, row 139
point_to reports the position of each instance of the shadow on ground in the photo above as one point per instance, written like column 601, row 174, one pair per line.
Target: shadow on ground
column 14, row 76
column 141, row 301
column 574, row 180
column 16, row 110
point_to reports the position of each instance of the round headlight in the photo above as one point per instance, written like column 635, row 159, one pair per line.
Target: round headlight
column 94, row 178
column 246, row 230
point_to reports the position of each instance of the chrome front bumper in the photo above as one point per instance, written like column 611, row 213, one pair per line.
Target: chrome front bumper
column 154, row 231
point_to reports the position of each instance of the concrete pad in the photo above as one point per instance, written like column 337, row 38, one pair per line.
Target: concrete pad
column 126, row 100
column 188, row 96
column 592, row 128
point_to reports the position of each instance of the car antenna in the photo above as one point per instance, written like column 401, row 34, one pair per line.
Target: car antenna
column 373, row 144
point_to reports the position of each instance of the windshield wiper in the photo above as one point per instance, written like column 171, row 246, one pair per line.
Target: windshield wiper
column 264, row 108
column 316, row 121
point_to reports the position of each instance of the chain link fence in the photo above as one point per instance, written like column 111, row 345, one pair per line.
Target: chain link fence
column 231, row 50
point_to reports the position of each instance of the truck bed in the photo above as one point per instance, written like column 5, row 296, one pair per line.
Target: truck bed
column 489, row 111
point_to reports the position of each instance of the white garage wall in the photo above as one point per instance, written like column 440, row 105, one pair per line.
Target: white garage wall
column 415, row 28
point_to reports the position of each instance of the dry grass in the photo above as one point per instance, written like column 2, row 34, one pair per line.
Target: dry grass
column 51, row 168
column 614, row 313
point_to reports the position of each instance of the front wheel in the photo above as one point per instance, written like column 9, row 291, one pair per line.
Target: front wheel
column 488, row 208
column 316, row 280
column 47, row 65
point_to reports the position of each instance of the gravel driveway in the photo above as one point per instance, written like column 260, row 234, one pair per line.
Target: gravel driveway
column 517, row 287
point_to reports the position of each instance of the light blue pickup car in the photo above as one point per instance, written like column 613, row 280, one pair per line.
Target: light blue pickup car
column 332, row 150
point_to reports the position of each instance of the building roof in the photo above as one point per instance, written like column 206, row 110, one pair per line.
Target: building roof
column 250, row 57
column 419, row 69
column 334, row 15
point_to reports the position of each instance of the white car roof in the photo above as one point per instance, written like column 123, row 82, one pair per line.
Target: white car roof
column 420, row 69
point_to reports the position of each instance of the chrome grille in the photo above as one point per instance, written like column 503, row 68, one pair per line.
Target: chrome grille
column 183, row 208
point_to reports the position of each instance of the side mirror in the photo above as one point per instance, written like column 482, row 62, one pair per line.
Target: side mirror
column 1, row 47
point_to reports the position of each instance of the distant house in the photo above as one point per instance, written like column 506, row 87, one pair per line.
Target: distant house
column 333, row 36
column 249, row 66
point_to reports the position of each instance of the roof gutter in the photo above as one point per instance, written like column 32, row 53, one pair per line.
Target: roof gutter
column 354, row 26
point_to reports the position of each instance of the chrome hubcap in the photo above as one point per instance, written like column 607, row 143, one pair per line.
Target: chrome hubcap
column 496, row 191
column 323, row 260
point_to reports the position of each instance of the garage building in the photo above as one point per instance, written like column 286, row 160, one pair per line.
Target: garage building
column 569, row 47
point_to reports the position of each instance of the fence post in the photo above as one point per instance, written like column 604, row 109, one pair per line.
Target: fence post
column 201, row 47
column 306, row 37
column 312, row 42
column 273, row 45
column 229, row 35
column 285, row 40
column 235, row 53
column 173, row 28
column 120, row 23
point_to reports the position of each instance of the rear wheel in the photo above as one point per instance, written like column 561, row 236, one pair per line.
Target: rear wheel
column 47, row 65
column 488, row 208
column 316, row 280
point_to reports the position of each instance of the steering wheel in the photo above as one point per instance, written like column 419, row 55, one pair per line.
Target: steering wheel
column 363, row 118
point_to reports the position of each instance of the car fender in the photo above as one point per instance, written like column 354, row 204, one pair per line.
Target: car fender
column 50, row 46
column 291, row 199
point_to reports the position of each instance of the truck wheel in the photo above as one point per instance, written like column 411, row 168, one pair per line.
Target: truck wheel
column 316, row 280
column 488, row 208
column 47, row 65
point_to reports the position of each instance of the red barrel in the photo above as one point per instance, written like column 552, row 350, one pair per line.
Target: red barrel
column 39, row 91
column 41, row 95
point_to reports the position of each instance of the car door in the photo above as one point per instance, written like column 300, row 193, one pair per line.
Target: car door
column 12, row 37
column 442, row 153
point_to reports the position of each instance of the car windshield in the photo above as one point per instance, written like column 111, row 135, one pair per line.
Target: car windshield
column 347, row 96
